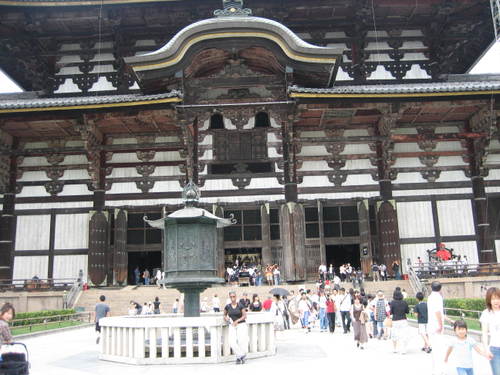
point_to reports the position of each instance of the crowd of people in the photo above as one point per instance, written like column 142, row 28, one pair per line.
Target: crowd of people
column 253, row 274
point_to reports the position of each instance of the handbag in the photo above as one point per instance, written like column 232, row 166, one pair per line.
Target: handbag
column 388, row 322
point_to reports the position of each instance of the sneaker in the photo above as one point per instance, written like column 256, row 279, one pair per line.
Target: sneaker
column 238, row 361
column 243, row 359
column 428, row 350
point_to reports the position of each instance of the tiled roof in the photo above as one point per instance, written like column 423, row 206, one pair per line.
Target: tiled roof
column 405, row 88
column 9, row 103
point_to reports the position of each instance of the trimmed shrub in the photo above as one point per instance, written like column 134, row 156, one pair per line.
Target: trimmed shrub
column 476, row 304
column 44, row 316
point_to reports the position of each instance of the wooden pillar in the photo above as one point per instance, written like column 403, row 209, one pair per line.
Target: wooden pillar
column 221, row 267
column 322, row 244
column 8, row 172
column 292, row 229
column 266, row 235
column 365, row 242
column 481, row 122
column 485, row 244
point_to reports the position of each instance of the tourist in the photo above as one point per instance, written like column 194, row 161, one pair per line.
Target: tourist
column 286, row 313
column 7, row 313
column 146, row 276
column 204, row 305
column 145, row 309
column 101, row 311
column 399, row 330
column 323, row 319
column 245, row 301
column 342, row 272
column 277, row 310
column 304, row 308
column 422, row 319
column 375, row 272
column 336, row 282
column 156, row 305
column 348, row 272
column 158, row 278
column 359, row 319
column 322, row 272
column 490, row 325
column 463, row 345
column 380, row 308
column 383, row 272
column 256, row 305
column 330, row 272
column 345, row 310
column 216, row 303
column 435, row 327
column 137, row 275
column 267, row 304
column 276, row 275
column 235, row 315
column 330, row 312
column 132, row 309
column 175, row 306
column 269, row 275
column 396, row 269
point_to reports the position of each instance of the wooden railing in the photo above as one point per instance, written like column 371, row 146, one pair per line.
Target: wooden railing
column 170, row 339
column 36, row 284
column 454, row 269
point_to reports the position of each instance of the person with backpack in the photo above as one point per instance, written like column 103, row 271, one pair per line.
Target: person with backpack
column 380, row 308
column 304, row 308
column 375, row 272
column 345, row 310
column 422, row 320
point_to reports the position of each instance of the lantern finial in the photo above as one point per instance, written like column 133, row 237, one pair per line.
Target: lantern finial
column 232, row 8
column 191, row 194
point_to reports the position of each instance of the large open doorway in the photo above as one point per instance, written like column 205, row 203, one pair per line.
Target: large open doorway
column 251, row 256
column 142, row 259
column 341, row 254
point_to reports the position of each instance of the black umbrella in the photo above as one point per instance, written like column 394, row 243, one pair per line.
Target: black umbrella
column 279, row 291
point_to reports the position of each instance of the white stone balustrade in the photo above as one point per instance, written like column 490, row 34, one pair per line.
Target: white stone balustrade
column 173, row 339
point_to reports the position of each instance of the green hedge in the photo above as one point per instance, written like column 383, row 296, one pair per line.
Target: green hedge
column 44, row 316
column 477, row 304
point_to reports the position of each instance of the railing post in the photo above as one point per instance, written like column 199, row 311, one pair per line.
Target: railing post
column 201, row 342
column 189, row 342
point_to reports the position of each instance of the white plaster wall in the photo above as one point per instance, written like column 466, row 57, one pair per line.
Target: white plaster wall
column 355, row 132
column 406, row 147
column 405, row 131
column 33, row 232
column 123, row 188
column 315, row 181
column 408, row 178
column 453, row 176
column 124, row 158
column 75, row 174
column 358, row 164
column 167, row 156
column 166, row 186
column 102, row 84
column 455, row 218
column 359, row 179
column 33, row 191
column 426, row 192
column 445, row 161
column 415, row 219
column 494, row 174
column 468, row 248
column 68, row 266
column 356, row 148
column 497, row 248
column 338, row 195
column 67, row 87
column 33, row 161
column 40, row 206
column 124, row 173
column 263, row 183
column 313, row 151
column 34, row 176
column 219, row 184
column 75, row 159
column 27, row 267
column 75, row 190
column 413, row 251
column 72, row 231
column 407, row 163
column 380, row 72
column 448, row 146
column 320, row 165
column 416, row 72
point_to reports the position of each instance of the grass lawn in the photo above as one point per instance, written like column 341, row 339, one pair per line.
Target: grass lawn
column 471, row 323
column 44, row 327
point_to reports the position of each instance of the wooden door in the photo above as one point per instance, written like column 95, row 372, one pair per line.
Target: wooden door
column 388, row 234
column 98, row 247
column 365, row 243
column 120, row 255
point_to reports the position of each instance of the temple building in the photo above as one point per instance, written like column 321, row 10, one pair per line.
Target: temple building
column 333, row 132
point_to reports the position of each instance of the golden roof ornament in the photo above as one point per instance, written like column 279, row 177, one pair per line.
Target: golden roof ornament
column 232, row 8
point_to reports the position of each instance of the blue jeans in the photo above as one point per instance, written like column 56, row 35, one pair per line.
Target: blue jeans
column 323, row 319
column 146, row 281
column 465, row 371
column 305, row 320
column 276, row 280
column 380, row 328
column 495, row 362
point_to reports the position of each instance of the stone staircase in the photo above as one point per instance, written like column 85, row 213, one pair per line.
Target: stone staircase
column 119, row 298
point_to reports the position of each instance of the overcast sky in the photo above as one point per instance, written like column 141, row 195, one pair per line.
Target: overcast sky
column 489, row 63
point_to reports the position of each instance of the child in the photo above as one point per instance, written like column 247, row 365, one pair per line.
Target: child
column 463, row 349
column 422, row 316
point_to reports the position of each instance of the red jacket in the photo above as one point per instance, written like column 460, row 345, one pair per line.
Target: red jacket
column 267, row 304
column 330, row 306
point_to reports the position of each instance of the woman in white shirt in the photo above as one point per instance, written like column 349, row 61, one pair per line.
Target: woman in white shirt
column 490, row 324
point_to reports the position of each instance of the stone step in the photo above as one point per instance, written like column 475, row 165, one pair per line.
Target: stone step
column 118, row 299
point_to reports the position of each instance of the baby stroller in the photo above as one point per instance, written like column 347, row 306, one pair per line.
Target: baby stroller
column 14, row 362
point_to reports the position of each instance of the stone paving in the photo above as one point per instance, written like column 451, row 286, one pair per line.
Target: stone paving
column 76, row 353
